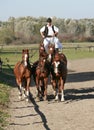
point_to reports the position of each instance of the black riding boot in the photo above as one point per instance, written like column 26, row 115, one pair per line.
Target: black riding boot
column 56, row 50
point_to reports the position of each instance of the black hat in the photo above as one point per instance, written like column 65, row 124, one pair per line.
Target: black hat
column 49, row 20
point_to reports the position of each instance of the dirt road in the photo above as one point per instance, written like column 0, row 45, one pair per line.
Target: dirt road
column 76, row 113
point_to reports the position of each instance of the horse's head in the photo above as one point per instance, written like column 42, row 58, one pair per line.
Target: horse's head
column 42, row 61
column 57, row 57
column 25, row 56
column 41, row 49
column 57, row 64
column 51, row 52
column 43, row 64
column 51, row 48
column 42, row 52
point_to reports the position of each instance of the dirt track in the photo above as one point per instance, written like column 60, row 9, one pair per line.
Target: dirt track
column 76, row 113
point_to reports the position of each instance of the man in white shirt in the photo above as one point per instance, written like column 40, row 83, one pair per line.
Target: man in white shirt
column 49, row 34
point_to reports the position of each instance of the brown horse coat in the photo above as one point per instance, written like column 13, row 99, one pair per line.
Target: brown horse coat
column 59, row 74
column 22, row 72
column 42, row 72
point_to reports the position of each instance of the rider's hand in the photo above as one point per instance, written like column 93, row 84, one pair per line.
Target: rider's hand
column 43, row 36
column 54, row 35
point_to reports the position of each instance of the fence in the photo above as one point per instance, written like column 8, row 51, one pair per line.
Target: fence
column 13, row 55
column 89, row 48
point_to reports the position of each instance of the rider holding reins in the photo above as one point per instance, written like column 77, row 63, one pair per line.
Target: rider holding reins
column 49, row 33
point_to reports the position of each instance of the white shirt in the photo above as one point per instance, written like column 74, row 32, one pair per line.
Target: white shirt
column 50, row 30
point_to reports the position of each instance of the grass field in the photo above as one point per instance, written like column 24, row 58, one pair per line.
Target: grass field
column 10, row 55
column 4, row 98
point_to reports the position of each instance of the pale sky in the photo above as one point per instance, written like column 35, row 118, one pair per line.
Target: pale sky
column 74, row 9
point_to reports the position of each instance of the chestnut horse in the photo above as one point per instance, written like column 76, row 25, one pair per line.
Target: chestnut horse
column 42, row 73
column 59, row 74
column 42, row 53
column 22, row 72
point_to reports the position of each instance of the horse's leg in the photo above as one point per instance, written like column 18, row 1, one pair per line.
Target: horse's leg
column 54, row 87
column 19, row 83
column 27, row 88
column 62, row 96
column 57, row 90
column 56, row 97
column 24, row 88
column 62, row 89
column 42, row 87
column 45, row 88
column 37, row 86
column 51, row 78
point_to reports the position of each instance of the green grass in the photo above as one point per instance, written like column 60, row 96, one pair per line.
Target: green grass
column 12, row 54
column 4, row 99
column 4, row 96
column 3, row 117
column 78, row 54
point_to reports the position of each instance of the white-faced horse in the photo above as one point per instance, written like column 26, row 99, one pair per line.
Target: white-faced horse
column 22, row 72
column 59, row 74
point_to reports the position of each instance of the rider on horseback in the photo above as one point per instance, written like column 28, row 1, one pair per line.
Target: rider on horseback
column 49, row 34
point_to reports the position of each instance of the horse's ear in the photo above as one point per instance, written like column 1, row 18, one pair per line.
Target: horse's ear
column 23, row 50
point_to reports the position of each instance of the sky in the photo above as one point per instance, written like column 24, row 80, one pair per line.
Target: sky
column 74, row 9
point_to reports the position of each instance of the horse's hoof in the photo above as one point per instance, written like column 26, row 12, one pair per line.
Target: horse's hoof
column 41, row 99
column 20, row 97
column 24, row 95
column 62, row 100
column 56, row 98
column 45, row 98
column 27, row 99
column 37, row 98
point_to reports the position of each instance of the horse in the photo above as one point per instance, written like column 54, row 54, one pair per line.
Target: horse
column 42, row 72
column 42, row 53
column 22, row 72
column 59, row 74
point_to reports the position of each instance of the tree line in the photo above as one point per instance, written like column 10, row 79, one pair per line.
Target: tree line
column 26, row 30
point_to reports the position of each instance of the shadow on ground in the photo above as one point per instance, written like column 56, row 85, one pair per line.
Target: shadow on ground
column 80, row 77
column 79, row 94
column 40, row 113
